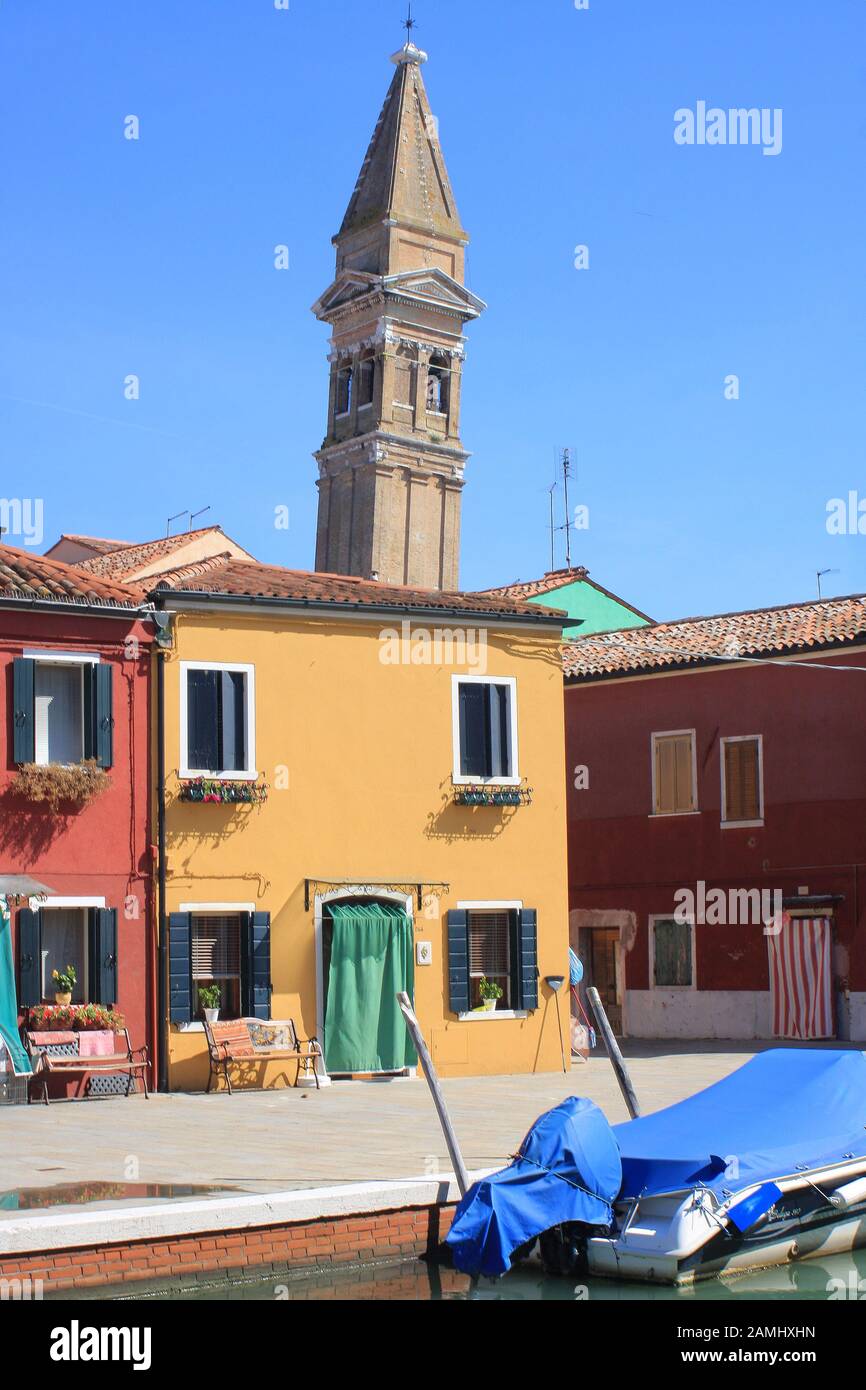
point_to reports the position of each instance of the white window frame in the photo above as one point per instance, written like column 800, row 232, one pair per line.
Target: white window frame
column 457, row 777
column 674, row 733
column 742, row 738
column 79, row 905
column 492, row 1015
column 50, row 657
column 671, row 917
column 250, row 775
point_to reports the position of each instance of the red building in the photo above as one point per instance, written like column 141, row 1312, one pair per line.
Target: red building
column 75, row 704
column 717, row 822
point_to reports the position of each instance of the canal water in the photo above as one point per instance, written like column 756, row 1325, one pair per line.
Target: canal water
column 837, row 1278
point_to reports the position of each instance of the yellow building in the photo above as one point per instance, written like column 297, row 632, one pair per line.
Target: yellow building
column 408, row 747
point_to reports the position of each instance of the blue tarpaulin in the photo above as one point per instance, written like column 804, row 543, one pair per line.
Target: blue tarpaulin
column 567, row 1169
column 785, row 1109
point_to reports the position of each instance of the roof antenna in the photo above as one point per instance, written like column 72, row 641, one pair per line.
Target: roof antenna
column 819, row 575
column 185, row 512
column 566, row 468
column 193, row 515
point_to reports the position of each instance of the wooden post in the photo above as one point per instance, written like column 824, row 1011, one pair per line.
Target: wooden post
column 435, row 1090
column 613, row 1052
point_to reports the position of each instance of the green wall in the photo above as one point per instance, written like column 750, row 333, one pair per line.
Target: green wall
column 593, row 611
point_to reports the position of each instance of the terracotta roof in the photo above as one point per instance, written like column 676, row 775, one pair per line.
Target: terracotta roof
column 97, row 543
column 557, row 579
column 790, row 629
column 27, row 576
column 131, row 557
column 241, row 579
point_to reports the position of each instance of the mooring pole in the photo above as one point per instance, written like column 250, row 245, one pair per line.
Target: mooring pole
column 613, row 1052
column 435, row 1090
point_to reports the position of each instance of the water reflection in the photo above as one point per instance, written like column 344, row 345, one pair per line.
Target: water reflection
column 836, row 1277
column 71, row 1194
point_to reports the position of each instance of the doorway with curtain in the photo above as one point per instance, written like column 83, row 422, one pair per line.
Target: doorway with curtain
column 367, row 957
column 801, row 977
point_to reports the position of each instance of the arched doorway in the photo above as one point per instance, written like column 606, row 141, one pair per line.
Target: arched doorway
column 365, row 955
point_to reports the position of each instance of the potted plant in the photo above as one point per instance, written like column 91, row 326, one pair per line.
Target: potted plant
column 64, row 984
column 209, row 1001
column 490, row 993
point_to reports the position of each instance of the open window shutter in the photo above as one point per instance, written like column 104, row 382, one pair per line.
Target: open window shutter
column 256, row 966
column 179, row 967
column 103, row 955
column 458, row 960
column 103, row 718
column 29, row 957
column 474, row 727
column 526, row 965
column 23, row 710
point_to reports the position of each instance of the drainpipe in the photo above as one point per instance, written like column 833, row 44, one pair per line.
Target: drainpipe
column 162, row 968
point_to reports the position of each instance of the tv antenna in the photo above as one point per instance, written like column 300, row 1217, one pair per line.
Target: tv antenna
column 819, row 575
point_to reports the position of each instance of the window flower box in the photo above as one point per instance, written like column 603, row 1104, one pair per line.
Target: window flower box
column 225, row 792
column 78, row 1016
column 60, row 784
column 487, row 795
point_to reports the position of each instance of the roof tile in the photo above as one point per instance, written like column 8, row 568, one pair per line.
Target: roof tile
column 792, row 628
column 242, row 579
column 23, row 575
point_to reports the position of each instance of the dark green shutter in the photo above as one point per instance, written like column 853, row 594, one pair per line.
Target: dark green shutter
column 458, row 960
column 103, row 717
column 23, row 710
column 256, row 966
column 526, row 971
column 29, row 957
column 103, row 955
column 180, row 967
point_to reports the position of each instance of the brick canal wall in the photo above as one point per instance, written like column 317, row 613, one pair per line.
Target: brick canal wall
column 310, row 1245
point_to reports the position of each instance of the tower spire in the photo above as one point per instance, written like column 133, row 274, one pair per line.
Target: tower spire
column 391, row 465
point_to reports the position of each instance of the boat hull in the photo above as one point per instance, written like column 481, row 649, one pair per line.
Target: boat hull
column 675, row 1240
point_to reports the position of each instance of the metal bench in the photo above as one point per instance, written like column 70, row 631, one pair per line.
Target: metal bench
column 56, row 1053
column 253, row 1040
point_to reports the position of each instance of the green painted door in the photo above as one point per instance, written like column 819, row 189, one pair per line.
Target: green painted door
column 371, row 960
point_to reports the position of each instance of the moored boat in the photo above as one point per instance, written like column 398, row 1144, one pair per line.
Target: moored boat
column 764, row 1167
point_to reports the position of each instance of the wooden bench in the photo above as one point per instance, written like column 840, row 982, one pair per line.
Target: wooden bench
column 105, row 1051
column 245, row 1040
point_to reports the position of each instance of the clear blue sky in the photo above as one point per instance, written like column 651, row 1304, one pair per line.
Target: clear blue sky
column 155, row 257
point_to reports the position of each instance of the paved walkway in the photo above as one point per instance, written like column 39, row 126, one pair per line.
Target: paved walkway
column 349, row 1132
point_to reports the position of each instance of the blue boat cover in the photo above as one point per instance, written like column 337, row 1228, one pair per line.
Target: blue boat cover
column 785, row 1110
column 567, row 1169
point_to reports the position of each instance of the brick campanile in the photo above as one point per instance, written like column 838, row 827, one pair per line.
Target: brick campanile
column 391, row 465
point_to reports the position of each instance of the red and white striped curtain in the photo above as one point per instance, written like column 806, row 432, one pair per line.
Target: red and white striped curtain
column 801, row 977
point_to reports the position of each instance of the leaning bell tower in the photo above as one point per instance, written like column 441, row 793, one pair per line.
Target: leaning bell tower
column 391, row 465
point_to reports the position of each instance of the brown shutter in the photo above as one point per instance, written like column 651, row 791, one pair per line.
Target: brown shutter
column 673, row 755
column 742, row 792
column 685, row 798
